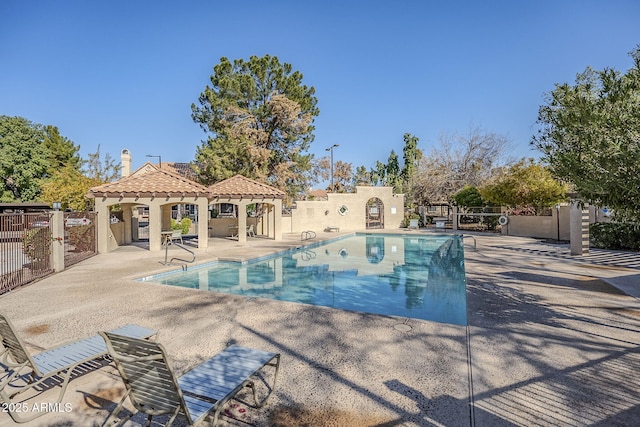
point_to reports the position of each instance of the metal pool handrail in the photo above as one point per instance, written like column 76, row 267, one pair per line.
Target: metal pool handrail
column 166, row 254
column 474, row 240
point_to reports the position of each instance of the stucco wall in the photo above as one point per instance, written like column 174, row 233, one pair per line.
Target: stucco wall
column 546, row 227
column 317, row 215
column 116, row 235
column 286, row 224
column 224, row 227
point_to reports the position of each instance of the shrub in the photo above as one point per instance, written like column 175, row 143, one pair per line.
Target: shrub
column 37, row 245
column 81, row 237
column 491, row 221
column 614, row 235
column 409, row 216
column 184, row 225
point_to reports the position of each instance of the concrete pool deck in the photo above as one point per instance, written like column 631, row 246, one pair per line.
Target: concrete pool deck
column 551, row 340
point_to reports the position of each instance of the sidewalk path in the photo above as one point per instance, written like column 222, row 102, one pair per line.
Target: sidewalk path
column 553, row 339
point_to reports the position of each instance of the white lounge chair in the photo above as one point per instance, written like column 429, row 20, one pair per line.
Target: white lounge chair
column 25, row 372
column 153, row 388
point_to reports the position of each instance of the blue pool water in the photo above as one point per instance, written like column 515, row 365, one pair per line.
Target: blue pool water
column 420, row 277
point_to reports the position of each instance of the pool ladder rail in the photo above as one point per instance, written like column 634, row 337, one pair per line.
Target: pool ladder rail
column 166, row 255
column 467, row 236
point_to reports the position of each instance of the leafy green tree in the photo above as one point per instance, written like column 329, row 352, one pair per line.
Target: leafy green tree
column 379, row 174
column 362, row 176
column 259, row 116
column 393, row 172
column 387, row 174
column 101, row 169
column 468, row 196
column 69, row 187
column 589, row 135
column 471, row 202
column 23, row 159
column 411, row 156
column 525, row 184
column 62, row 151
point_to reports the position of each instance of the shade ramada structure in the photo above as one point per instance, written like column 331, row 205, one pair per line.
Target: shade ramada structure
column 161, row 188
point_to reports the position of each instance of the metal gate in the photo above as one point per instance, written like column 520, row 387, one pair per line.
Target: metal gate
column 482, row 218
column 25, row 248
column 375, row 213
column 80, row 236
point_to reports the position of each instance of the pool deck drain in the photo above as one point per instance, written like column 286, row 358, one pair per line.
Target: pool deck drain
column 402, row 327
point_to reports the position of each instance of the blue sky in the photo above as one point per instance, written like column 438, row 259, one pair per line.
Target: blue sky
column 123, row 74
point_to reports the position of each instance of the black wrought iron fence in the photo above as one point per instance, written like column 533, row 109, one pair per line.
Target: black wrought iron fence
column 25, row 248
column 80, row 236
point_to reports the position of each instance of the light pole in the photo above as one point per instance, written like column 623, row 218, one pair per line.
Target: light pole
column 159, row 159
column 331, row 149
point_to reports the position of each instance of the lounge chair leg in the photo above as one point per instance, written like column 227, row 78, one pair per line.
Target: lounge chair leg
column 261, row 403
column 6, row 383
column 113, row 416
column 216, row 415
column 173, row 417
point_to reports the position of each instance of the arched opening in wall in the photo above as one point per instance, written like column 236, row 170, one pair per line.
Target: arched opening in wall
column 375, row 213
column 260, row 219
column 225, row 219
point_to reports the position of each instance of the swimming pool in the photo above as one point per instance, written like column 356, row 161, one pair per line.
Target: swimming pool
column 421, row 277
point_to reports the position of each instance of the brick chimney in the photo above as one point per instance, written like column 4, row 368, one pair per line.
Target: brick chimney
column 125, row 163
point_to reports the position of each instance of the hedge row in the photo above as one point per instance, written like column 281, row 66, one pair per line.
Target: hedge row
column 615, row 236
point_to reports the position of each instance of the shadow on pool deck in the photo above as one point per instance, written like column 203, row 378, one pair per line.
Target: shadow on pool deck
column 553, row 342
column 550, row 341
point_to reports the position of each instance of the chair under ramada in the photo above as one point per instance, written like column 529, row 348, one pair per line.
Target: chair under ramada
column 25, row 372
column 153, row 388
column 176, row 235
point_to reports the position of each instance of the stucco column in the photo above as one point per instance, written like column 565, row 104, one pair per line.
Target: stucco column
column 242, row 221
column 126, row 217
column 455, row 218
column 155, row 227
column 203, row 223
column 277, row 219
column 579, row 228
column 57, row 245
column 103, row 225
column 166, row 217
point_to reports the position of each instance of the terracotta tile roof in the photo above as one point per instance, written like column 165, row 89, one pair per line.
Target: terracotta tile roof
column 148, row 181
column 240, row 186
